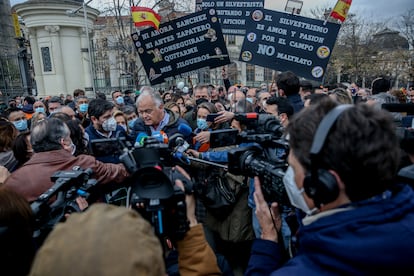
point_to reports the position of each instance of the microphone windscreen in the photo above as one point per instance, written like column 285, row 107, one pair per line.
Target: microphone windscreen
column 185, row 129
column 140, row 139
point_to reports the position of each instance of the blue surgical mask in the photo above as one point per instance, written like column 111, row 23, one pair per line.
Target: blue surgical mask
column 40, row 110
column 202, row 123
column 120, row 100
column 83, row 107
column 250, row 100
column 131, row 123
column 21, row 125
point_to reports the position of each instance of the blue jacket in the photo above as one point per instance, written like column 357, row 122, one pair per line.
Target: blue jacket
column 372, row 237
column 94, row 135
column 296, row 101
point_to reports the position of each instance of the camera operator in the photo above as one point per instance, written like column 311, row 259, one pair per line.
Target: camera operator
column 344, row 161
column 53, row 149
column 125, row 245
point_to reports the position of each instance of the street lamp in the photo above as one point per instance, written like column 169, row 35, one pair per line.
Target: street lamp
column 73, row 13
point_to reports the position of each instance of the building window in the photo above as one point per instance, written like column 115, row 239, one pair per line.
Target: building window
column 250, row 72
column 268, row 75
column 231, row 39
column 46, row 59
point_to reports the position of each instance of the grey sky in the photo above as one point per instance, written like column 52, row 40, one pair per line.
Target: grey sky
column 378, row 10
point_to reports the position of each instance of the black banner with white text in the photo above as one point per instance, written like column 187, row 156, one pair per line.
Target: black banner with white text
column 282, row 42
column 182, row 46
column 232, row 14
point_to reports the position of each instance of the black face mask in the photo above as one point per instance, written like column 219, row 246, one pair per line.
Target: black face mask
column 189, row 108
column 200, row 101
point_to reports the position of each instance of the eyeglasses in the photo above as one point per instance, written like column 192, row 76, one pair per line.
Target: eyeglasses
column 147, row 111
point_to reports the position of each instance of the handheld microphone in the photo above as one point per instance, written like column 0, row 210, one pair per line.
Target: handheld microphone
column 161, row 136
column 140, row 139
column 185, row 130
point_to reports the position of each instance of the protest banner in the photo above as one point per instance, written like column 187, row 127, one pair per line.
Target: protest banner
column 282, row 42
column 181, row 46
column 232, row 14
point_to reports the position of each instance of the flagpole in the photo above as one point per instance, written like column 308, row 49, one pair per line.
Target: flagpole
column 329, row 15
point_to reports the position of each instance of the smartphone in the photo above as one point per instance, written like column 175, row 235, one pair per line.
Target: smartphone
column 211, row 117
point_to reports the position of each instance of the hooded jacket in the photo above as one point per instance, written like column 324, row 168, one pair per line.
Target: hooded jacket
column 372, row 237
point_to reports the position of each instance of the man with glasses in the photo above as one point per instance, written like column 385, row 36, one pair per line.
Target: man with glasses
column 153, row 117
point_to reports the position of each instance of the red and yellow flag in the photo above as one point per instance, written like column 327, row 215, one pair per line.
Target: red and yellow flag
column 145, row 17
column 341, row 9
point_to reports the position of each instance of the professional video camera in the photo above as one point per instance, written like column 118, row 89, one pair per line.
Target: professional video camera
column 153, row 192
column 266, row 157
column 68, row 186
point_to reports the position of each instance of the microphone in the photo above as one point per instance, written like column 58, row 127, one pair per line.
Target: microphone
column 140, row 139
column 161, row 136
column 185, row 130
column 243, row 117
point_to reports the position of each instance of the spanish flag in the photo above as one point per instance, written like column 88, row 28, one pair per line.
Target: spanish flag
column 145, row 17
column 341, row 9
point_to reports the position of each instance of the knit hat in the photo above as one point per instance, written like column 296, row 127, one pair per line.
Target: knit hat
column 105, row 240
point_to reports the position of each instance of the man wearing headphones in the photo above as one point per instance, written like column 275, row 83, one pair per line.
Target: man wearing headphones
column 359, row 221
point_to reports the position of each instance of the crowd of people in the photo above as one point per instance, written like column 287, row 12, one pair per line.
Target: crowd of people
column 348, row 211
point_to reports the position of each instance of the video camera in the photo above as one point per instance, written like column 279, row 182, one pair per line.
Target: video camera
column 266, row 156
column 152, row 190
column 68, row 186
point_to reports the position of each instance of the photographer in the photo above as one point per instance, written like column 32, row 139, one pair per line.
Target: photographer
column 344, row 161
column 54, row 150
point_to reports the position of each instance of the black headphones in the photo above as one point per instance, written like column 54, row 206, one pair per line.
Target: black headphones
column 319, row 184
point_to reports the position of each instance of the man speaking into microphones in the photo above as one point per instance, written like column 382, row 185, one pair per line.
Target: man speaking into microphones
column 154, row 120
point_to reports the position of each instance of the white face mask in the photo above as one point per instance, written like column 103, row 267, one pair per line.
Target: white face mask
column 72, row 148
column 109, row 125
column 295, row 195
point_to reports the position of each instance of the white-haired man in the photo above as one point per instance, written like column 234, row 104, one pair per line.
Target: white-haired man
column 153, row 117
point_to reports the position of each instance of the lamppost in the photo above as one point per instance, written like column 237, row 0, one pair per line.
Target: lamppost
column 73, row 13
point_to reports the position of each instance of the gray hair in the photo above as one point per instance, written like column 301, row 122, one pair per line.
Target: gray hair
column 46, row 135
column 149, row 91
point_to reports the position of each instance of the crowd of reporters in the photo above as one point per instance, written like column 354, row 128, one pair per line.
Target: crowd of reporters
column 337, row 222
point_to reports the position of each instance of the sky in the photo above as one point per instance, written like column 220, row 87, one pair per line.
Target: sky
column 377, row 10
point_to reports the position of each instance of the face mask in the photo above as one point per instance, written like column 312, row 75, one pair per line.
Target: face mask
column 131, row 123
column 40, row 110
column 21, row 125
column 202, row 123
column 72, row 148
column 20, row 106
column 200, row 101
column 295, row 195
column 109, row 125
column 250, row 100
column 124, row 127
column 83, row 107
column 120, row 100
